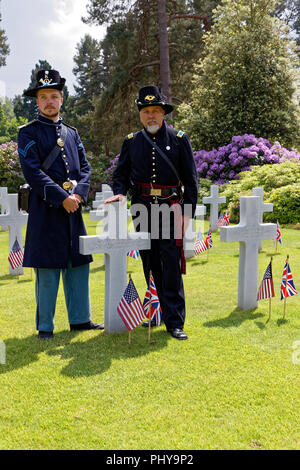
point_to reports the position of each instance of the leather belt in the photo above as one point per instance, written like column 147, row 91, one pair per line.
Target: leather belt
column 147, row 189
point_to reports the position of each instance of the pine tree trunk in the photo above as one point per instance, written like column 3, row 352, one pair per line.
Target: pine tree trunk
column 164, row 49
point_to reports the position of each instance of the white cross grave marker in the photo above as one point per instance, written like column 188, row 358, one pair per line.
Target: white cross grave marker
column 249, row 233
column 101, row 213
column 4, row 205
column 115, row 244
column 263, row 206
column 214, row 200
column 100, row 196
column 101, row 208
column 14, row 219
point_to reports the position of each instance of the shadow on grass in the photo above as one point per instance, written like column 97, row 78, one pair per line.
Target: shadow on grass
column 88, row 357
column 274, row 254
column 6, row 277
column 25, row 280
column 98, row 268
column 202, row 261
column 236, row 318
column 282, row 321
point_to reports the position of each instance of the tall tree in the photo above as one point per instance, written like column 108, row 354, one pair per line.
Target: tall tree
column 108, row 11
column 130, row 56
column 164, row 60
column 4, row 48
column 89, row 83
column 87, row 71
column 246, row 81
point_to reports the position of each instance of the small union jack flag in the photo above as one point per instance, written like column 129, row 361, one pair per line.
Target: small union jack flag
column 133, row 254
column 208, row 240
column 151, row 303
column 15, row 256
column 266, row 289
column 226, row 219
column 287, row 288
column 278, row 234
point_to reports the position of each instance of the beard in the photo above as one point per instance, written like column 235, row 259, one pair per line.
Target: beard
column 50, row 113
column 152, row 128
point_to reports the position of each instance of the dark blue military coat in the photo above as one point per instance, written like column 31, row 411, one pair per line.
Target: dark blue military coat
column 52, row 237
column 140, row 162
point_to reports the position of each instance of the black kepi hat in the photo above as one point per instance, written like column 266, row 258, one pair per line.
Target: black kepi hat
column 152, row 96
column 46, row 79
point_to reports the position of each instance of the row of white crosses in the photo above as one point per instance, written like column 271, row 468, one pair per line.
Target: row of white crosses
column 99, row 213
column 115, row 242
column 14, row 219
column 214, row 200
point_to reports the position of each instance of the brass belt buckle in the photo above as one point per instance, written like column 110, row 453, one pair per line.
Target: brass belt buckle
column 67, row 185
column 155, row 192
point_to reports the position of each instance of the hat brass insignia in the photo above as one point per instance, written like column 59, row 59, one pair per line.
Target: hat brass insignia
column 46, row 80
column 149, row 98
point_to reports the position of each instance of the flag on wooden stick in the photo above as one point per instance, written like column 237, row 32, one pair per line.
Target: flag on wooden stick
column 208, row 240
column 220, row 222
column 278, row 234
column 226, row 219
column 151, row 303
column 200, row 245
column 266, row 288
column 287, row 288
column 130, row 307
column 15, row 256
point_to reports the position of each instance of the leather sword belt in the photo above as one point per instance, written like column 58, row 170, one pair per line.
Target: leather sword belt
column 148, row 189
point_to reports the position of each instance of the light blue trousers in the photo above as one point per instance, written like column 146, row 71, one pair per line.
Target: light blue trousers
column 76, row 290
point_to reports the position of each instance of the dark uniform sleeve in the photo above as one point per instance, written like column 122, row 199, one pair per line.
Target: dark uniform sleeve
column 83, row 183
column 188, row 173
column 121, row 175
column 31, row 166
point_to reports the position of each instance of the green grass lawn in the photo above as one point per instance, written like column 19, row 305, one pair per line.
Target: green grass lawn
column 232, row 385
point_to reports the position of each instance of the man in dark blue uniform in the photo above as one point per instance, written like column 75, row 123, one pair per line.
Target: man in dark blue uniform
column 154, row 178
column 55, row 166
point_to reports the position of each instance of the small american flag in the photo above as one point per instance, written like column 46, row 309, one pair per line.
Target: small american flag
column 130, row 307
column 133, row 254
column 220, row 222
column 15, row 256
column 200, row 245
column 287, row 288
column 151, row 303
column 278, row 234
column 266, row 289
